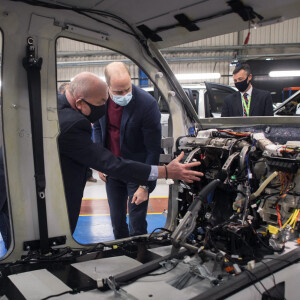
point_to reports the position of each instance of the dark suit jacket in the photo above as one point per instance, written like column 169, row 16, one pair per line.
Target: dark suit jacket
column 261, row 104
column 78, row 152
column 140, row 133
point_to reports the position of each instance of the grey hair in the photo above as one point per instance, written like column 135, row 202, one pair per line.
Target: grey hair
column 81, row 85
column 62, row 88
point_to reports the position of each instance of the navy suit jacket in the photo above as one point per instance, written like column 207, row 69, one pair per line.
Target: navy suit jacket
column 78, row 152
column 261, row 104
column 140, row 132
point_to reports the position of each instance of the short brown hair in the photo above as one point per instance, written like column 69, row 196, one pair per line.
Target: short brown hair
column 244, row 67
column 107, row 72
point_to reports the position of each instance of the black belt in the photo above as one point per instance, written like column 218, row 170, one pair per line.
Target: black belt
column 33, row 67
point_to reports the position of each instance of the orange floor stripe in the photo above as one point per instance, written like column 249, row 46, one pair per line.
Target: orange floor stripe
column 100, row 206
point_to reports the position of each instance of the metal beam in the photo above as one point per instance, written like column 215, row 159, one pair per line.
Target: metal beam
column 229, row 58
column 175, row 50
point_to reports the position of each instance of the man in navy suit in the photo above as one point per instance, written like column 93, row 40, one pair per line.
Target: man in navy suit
column 81, row 105
column 130, row 129
column 249, row 101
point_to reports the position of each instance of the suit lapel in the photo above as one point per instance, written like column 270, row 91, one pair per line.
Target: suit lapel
column 253, row 101
column 103, row 124
column 127, row 112
column 238, row 104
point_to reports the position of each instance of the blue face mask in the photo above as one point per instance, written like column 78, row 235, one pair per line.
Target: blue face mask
column 122, row 100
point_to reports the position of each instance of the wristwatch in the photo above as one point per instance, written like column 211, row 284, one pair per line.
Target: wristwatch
column 146, row 188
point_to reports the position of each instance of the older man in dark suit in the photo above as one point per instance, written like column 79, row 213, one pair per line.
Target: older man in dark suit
column 83, row 104
column 249, row 101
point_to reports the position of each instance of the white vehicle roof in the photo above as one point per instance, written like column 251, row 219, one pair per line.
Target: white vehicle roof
column 213, row 17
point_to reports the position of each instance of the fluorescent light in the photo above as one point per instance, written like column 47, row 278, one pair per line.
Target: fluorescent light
column 198, row 76
column 284, row 73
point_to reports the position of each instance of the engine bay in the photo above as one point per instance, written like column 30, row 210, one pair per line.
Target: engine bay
column 243, row 213
column 254, row 209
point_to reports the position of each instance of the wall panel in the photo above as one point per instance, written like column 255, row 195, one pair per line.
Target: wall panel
column 187, row 61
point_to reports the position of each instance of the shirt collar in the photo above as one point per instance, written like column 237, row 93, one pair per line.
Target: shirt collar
column 249, row 92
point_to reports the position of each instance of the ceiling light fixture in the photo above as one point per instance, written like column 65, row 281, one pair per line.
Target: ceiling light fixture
column 291, row 73
column 198, row 76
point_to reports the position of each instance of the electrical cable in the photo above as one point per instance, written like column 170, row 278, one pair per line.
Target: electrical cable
column 146, row 275
column 103, row 22
column 85, row 12
column 262, row 187
column 235, row 142
column 241, row 134
column 278, row 216
column 36, row 257
column 243, row 241
column 296, row 220
column 158, row 228
column 57, row 295
column 263, row 243
column 289, row 219
column 253, row 283
column 248, row 271
column 157, row 274
column 273, row 276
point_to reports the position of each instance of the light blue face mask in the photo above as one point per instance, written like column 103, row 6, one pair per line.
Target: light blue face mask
column 122, row 100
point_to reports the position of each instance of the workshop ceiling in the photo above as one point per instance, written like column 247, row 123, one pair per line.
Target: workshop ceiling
column 174, row 22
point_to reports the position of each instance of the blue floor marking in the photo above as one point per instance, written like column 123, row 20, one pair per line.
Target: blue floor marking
column 2, row 247
column 93, row 229
column 96, row 229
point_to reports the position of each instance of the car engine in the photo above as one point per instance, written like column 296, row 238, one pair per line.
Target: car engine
column 255, row 207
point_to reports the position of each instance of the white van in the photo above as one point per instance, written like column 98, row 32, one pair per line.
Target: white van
column 206, row 98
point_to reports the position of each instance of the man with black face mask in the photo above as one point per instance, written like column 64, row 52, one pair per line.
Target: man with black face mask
column 81, row 105
column 249, row 101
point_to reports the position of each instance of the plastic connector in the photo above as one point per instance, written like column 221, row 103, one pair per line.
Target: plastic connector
column 273, row 229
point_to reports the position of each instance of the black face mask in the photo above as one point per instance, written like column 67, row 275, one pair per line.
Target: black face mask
column 96, row 112
column 242, row 85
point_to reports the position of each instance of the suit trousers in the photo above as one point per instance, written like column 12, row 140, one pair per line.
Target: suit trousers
column 119, row 194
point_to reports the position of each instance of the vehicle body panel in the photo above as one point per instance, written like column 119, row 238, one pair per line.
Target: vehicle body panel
column 18, row 21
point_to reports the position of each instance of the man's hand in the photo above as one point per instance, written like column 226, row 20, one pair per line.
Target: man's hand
column 102, row 176
column 177, row 170
column 140, row 196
